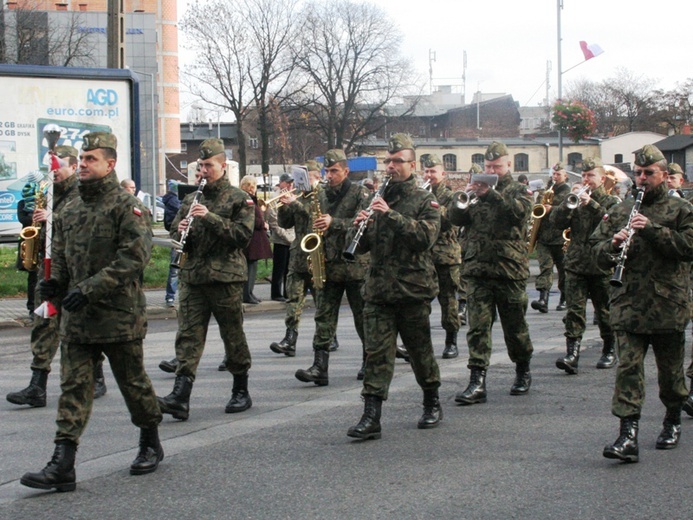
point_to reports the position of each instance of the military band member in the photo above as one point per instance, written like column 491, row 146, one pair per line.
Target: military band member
column 496, row 266
column 651, row 307
column 550, row 245
column 400, row 285
column 675, row 180
column 340, row 201
column 281, row 239
column 101, row 245
column 446, row 256
column 45, row 337
column 211, row 280
column 584, row 278
column 462, row 285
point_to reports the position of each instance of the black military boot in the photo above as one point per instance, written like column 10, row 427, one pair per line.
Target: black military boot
column 608, row 359
column 334, row 344
column 222, row 365
column 669, row 436
column 59, row 473
column 432, row 412
column 569, row 363
column 369, row 425
column 169, row 366
column 476, row 389
column 240, row 398
column 561, row 304
column 688, row 405
column 401, row 352
column 177, row 403
column 450, row 351
column 150, row 454
column 523, row 379
column 626, row 446
column 99, row 380
column 317, row 373
column 542, row 304
column 35, row 394
column 286, row 346
column 462, row 311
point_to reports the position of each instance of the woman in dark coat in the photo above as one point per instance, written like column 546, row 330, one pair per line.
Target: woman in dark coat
column 259, row 247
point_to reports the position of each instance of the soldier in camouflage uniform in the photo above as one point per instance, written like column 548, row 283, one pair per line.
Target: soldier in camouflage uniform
column 102, row 243
column 45, row 331
column 211, row 280
column 399, row 288
column 652, row 306
column 340, row 201
column 584, row 278
column 675, row 180
column 462, row 286
column 496, row 266
column 550, row 245
column 446, row 256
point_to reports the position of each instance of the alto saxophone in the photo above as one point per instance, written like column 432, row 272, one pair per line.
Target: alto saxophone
column 31, row 235
column 312, row 244
column 538, row 213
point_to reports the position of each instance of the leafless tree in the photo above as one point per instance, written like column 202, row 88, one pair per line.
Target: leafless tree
column 676, row 106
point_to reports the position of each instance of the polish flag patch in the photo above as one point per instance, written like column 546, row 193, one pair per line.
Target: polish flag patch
column 249, row 202
column 137, row 211
column 605, row 217
column 435, row 204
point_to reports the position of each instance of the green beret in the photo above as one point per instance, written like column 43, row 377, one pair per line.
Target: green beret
column 558, row 166
column 476, row 168
column 496, row 150
column 313, row 166
column 431, row 161
column 648, row 155
column 399, row 142
column 66, row 151
column 674, row 169
column 334, row 156
column 96, row 140
column 211, row 147
column 590, row 163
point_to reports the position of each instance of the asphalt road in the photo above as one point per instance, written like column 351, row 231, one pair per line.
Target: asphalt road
column 534, row 456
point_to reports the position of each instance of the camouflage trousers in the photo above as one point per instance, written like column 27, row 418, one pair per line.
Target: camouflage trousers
column 77, row 385
column 578, row 288
column 197, row 305
column 461, row 284
column 448, row 282
column 382, row 323
column 297, row 287
column 548, row 256
column 45, row 333
column 629, row 392
column 510, row 298
column 327, row 312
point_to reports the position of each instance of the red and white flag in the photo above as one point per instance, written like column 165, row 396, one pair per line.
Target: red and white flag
column 590, row 51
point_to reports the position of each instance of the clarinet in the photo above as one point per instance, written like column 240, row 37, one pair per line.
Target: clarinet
column 180, row 244
column 350, row 252
column 618, row 271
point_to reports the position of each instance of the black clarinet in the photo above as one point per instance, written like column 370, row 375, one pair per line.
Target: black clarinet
column 350, row 252
column 180, row 244
column 618, row 271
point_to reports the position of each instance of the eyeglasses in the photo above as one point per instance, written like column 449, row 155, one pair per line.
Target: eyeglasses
column 646, row 172
column 396, row 161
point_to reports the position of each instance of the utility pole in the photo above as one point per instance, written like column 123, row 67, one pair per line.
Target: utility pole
column 431, row 59
column 115, row 34
column 559, row 6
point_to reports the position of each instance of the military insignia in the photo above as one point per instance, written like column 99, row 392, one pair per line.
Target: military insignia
column 249, row 202
column 434, row 204
column 137, row 211
column 605, row 217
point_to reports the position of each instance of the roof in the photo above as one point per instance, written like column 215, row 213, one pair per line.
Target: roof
column 675, row 143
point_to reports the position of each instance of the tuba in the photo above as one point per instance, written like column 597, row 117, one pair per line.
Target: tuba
column 538, row 213
column 312, row 244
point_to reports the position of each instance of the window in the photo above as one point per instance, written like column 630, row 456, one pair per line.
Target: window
column 618, row 158
column 450, row 162
column 184, row 165
column 521, row 162
column 478, row 159
column 574, row 159
column 183, row 147
column 422, row 160
column 252, row 142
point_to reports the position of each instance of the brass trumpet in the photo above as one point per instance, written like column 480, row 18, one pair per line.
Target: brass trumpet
column 573, row 199
column 275, row 201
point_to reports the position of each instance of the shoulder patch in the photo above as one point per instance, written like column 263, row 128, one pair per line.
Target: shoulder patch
column 435, row 204
column 137, row 211
column 606, row 216
column 249, row 202
column 529, row 192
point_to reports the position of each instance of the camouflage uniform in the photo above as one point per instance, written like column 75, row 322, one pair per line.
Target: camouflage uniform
column 496, row 267
column 101, row 245
column 400, row 285
column 584, row 278
column 652, row 306
column 550, row 245
column 212, row 276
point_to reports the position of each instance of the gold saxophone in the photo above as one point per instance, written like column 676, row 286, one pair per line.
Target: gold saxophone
column 538, row 213
column 312, row 244
column 31, row 235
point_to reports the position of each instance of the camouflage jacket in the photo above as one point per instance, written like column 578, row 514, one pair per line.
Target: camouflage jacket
column 101, row 243
column 401, row 266
column 582, row 222
column 446, row 250
column 654, row 295
column 496, row 232
column 343, row 204
column 549, row 234
column 215, row 243
column 297, row 215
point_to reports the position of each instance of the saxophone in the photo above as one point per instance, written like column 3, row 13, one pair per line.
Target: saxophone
column 538, row 213
column 31, row 235
column 312, row 244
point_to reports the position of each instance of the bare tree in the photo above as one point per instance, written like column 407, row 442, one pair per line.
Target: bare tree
column 676, row 106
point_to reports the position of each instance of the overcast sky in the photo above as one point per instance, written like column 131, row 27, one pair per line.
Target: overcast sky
column 509, row 42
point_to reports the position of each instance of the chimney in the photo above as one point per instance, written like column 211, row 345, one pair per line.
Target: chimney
column 686, row 129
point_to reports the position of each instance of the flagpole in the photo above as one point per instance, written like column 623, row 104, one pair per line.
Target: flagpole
column 559, row 6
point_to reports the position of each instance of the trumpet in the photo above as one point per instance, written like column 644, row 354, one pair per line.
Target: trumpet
column 180, row 244
column 464, row 199
column 275, row 201
column 573, row 199
column 426, row 185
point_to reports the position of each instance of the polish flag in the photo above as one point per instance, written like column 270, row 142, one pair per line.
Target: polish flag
column 590, row 51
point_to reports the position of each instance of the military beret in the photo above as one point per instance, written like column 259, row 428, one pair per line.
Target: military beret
column 496, row 150
column 558, row 166
column 334, row 156
column 476, row 168
column 431, row 161
column 399, row 142
column 66, row 151
column 648, row 155
column 590, row 163
column 211, row 147
column 96, row 140
column 675, row 169
column 313, row 166
column 285, row 177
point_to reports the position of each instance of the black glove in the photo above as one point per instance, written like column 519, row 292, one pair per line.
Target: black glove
column 48, row 289
column 74, row 300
